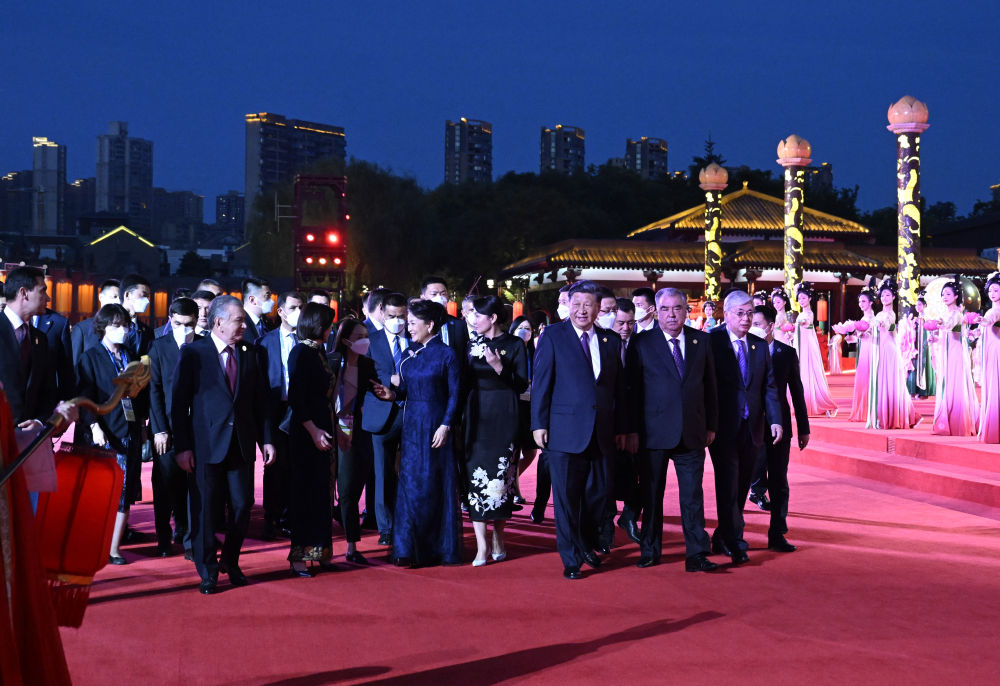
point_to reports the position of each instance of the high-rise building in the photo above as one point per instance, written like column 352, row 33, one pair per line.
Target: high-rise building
column 174, row 213
column 563, row 149
column 647, row 157
column 468, row 151
column 125, row 175
column 80, row 201
column 229, row 212
column 16, row 191
column 48, row 187
column 277, row 148
column 819, row 177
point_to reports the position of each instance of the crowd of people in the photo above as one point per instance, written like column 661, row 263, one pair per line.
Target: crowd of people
column 433, row 417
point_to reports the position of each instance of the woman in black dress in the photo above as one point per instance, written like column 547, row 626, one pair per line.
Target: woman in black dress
column 355, row 373
column 121, row 429
column 311, row 441
column 497, row 375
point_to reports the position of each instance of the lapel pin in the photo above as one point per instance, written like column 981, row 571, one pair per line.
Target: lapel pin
column 503, row 352
column 753, row 347
column 605, row 339
column 695, row 341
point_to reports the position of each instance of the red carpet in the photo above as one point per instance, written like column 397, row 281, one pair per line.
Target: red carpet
column 885, row 588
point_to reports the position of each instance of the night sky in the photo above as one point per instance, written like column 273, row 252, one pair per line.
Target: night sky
column 184, row 74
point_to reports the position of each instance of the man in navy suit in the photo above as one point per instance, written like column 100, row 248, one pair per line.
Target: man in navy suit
column 671, row 375
column 384, row 418
column 578, row 416
column 748, row 400
column 136, row 292
column 83, row 336
column 772, row 472
column 274, row 347
column 56, row 329
column 169, row 481
column 219, row 415
column 256, row 303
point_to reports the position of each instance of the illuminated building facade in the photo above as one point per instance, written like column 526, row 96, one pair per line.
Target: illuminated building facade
column 125, row 175
column 563, row 149
column 468, row 151
column 48, row 187
column 277, row 148
column 229, row 212
column 647, row 157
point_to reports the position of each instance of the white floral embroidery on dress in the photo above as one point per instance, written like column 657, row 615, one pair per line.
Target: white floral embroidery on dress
column 491, row 494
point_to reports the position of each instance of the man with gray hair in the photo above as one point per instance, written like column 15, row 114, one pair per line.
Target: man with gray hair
column 219, row 415
column 748, row 399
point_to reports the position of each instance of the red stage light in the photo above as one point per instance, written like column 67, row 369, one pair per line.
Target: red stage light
column 309, row 260
column 332, row 238
column 336, row 260
column 322, row 260
column 310, row 237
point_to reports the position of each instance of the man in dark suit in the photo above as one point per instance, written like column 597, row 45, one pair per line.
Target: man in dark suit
column 136, row 292
column 772, row 472
column 384, row 418
column 274, row 347
column 671, row 380
column 454, row 332
column 219, row 414
column 83, row 336
column 748, row 400
column 56, row 329
column 256, row 303
column 27, row 371
column 578, row 416
column 169, row 481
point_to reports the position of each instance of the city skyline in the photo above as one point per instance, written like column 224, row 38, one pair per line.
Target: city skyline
column 747, row 79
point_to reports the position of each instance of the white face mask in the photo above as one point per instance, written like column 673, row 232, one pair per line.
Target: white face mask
column 183, row 334
column 394, row 325
column 115, row 334
column 606, row 321
column 292, row 317
column 439, row 299
column 563, row 311
column 359, row 346
column 759, row 332
column 140, row 305
column 523, row 334
column 266, row 305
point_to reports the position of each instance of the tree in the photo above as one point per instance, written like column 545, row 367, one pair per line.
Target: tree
column 699, row 163
column 193, row 264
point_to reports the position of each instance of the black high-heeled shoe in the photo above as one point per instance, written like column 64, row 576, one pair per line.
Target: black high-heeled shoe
column 303, row 573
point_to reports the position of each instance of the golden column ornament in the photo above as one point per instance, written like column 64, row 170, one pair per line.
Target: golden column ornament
column 794, row 155
column 713, row 180
column 908, row 119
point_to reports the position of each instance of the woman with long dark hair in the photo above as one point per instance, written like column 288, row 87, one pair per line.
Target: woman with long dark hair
column 862, row 374
column 956, row 408
column 806, row 343
column 889, row 403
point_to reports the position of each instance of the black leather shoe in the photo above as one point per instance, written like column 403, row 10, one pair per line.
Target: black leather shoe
column 188, row 556
column 385, row 539
column 537, row 517
column 592, row 560
column 720, row 548
column 207, row 587
column 356, row 558
column 761, row 501
column 117, row 560
column 780, row 545
column 236, row 576
column 572, row 573
column 740, row 557
column 629, row 527
column 164, row 549
column 603, row 549
column 179, row 536
column 700, row 563
column 646, row 562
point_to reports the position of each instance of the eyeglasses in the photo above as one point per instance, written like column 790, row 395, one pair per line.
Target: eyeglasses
column 743, row 314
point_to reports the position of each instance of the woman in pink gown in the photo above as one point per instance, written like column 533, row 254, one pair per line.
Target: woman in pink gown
column 956, row 409
column 779, row 300
column 814, row 385
column 889, row 402
column 989, row 343
column 859, row 401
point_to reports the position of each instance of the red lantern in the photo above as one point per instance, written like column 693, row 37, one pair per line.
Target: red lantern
column 821, row 310
column 452, row 308
column 518, row 308
column 75, row 524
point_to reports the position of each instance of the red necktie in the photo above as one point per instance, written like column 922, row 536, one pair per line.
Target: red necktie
column 231, row 368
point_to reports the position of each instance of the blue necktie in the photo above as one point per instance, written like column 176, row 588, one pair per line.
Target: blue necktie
column 397, row 353
column 741, row 357
column 678, row 359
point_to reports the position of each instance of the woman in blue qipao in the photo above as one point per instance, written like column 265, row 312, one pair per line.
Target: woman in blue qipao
column 427, row 528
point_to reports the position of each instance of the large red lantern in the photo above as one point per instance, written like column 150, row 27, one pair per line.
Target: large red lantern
column 75, row 524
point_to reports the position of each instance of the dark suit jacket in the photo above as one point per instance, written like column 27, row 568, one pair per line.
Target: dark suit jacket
column 56, row 329
column 163, row 357
column 787, row 380
column 82, row 337
column 32, row 392
column 565, row 398
column 669, row 407
column 378, row 415
column 146, row 336
column 97, row 374
column 204, row 414
column 269, row 349
column 760, row 394
column 254, row 331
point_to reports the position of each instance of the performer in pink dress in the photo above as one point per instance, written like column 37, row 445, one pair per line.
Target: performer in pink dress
column 956, row 409
column 859, row 402
column 889, row 402
column 814, row 385
column 989, row 343
column 779, row 300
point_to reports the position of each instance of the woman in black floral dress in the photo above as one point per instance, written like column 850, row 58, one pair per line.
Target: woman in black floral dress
column 497, row 375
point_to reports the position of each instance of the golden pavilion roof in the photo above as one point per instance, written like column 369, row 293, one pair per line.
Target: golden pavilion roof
column 936, row 261
column 752, row 213
column 816, row 256
column 612, row 254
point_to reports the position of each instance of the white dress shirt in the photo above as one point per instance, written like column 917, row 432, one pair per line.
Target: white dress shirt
column 680, row 342
column 220, row 346
column 595, row 350
column 15, row 321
